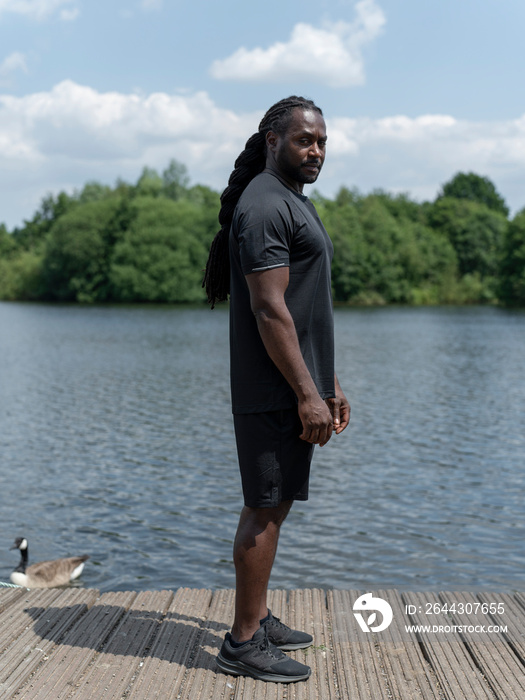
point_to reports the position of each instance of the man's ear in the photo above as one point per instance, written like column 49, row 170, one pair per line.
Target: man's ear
column 271, row 141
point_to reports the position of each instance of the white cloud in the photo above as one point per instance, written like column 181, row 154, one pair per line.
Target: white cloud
column 151, row 4
column 14, row 62
column 62, row 138
column 69, row 14
column 78, row 122
column 331, row 55
column 417, row 155
column 40, row 9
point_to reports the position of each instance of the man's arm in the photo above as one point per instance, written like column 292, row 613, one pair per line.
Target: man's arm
column 279, row 336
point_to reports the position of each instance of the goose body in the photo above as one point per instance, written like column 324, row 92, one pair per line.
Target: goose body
column 45, row 574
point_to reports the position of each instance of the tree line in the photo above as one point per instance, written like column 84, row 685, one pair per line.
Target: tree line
column 149, row 241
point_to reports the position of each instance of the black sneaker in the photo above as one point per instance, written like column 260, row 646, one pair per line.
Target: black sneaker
column 283, row 637
column 260, row 659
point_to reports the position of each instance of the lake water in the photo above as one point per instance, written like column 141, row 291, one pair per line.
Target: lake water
column 116, row 440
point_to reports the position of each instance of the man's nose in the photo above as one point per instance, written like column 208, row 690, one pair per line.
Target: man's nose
column 316, row 151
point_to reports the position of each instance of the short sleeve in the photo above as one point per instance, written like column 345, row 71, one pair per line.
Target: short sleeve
column 264, row 234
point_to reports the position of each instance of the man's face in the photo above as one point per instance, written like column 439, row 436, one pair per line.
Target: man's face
column 299, row 154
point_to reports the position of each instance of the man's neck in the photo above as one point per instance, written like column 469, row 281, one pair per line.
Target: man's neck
column 292, row 184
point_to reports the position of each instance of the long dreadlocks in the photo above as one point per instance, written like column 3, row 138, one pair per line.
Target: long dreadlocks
column 250, row 163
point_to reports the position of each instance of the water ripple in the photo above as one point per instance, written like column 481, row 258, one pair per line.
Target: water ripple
column 116, row 440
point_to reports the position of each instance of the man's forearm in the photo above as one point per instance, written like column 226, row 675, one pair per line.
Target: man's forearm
column 277, row 331
column 279, row 336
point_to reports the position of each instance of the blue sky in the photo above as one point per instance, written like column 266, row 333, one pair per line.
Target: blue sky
column 412, row 91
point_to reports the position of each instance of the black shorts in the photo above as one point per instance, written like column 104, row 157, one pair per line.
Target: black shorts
column 274, row 461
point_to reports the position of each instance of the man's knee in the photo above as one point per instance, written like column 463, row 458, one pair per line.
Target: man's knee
column 269, row 516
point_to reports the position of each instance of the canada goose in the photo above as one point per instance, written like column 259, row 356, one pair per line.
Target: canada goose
column 45, row 574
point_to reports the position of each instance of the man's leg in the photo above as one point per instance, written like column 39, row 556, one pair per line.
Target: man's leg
column 253, row 555
column 248, row 650
column 267, row 445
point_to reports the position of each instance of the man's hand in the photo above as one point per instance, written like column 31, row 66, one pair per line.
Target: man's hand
column 317, row 421
column 339, row 408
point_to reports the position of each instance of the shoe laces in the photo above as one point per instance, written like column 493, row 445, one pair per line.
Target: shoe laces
column 267, row 648
column 278, row 622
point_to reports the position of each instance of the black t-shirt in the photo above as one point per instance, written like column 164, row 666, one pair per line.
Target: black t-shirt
column 275, row 226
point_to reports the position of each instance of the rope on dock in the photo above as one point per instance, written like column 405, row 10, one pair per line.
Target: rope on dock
column 9, row 585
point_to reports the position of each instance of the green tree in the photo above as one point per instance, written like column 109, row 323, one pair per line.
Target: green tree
column 475, row 231
column 430, row 264
column 149, row 242
column 21, row 276
column 175, row 179
column 475, row 188
column 149, row 184
column 381, row 257
column 7, row 242
column 77, row 252
column 342, row 223
column 94, row 192
column 400, row 206
column 512, row 279
column 162, row 254
column 383, row 250
column 34, row 231
column 205, row 198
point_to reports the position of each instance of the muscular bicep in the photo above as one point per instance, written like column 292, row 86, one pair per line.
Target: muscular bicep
column 267, row 289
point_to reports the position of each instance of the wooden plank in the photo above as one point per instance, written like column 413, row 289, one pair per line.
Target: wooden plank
column 457, row 674
column 60, row 675
column 203, row 679
column 520, row 598
column 506, row 611
column 72, row 643
column 35, row 644
column 408, row 674
column 18, row 618
column 165, row 666
column 14, row 621
column 113, row 669
column 357, row 662
column 9, row 596
column 491, row 652
column 307, row 610
column 14, row 618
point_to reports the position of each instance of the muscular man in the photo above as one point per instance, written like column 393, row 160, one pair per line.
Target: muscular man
column 273, row 256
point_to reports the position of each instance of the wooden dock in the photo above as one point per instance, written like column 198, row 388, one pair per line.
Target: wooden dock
column 77, row 643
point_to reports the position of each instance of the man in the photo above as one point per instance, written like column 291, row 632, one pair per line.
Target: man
column 285, row 395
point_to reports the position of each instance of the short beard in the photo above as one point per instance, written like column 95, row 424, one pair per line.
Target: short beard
column 298, row 174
